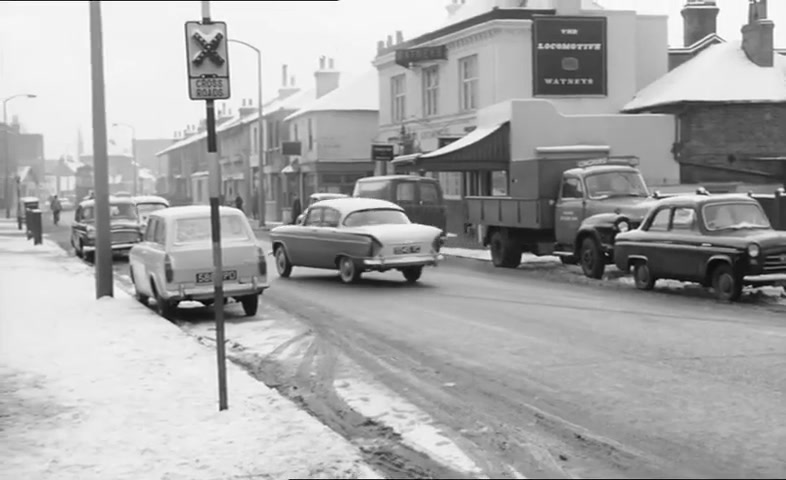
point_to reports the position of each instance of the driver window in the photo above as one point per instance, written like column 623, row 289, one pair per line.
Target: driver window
column 150, row 232
column 313, row 217
column 684, row 220
column 660, row 223
column 160, row 233
column 571, row 188
column 330, row 217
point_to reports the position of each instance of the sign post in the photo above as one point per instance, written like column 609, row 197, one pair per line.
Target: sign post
column 208, row 79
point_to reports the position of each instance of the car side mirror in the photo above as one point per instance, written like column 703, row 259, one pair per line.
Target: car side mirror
column 656, row 194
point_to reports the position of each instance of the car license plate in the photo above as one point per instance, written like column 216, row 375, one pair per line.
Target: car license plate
column 207, row 277
column 404, row 250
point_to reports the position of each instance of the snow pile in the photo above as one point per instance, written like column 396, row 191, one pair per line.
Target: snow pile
column 485, row 255
column 108, row 390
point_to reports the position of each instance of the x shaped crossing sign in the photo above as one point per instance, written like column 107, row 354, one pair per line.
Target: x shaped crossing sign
column 207, row 60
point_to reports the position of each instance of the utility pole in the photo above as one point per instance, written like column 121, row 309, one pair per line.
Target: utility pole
column 103, row 255
column 134, row 188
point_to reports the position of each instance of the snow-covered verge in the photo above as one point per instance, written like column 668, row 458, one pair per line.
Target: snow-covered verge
column 108, row 390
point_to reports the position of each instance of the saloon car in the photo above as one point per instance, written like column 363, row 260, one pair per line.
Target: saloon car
column 147, row 204
column 125, row 228
column 318, row 197
column 174, row 261
column 356, row 235
column 720, row 241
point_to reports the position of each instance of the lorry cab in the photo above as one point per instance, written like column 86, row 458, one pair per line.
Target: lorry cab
column 420, row 197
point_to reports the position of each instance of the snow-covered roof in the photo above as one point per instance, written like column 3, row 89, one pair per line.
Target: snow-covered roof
column 473, row 8
column 358, row 94
column 720, row 74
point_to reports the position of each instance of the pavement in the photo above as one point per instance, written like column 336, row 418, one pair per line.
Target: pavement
column 108, row 390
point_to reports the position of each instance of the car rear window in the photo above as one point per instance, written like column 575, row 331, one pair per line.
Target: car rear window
column 189, row 230
column 376, row 216
column 145, row 209
column 373, row 189
column 429, row 194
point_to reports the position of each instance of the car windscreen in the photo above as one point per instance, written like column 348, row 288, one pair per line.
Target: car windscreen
column 734, row 216
column 372, row 189
column 616, row 184
column 197, row 229
column 376, row 216
column 145, row 209
column 117, row 211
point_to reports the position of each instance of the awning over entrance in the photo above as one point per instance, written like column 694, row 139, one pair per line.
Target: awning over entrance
column 483, row 149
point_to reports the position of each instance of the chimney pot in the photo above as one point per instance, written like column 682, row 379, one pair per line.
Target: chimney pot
column 331, row 64
column 284, row 75
column 699, row 19
column 292, row 81
column 389, row 43
column 399, row 37
column 322, row 62
column 381, row 45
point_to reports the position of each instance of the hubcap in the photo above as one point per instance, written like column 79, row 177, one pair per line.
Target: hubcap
column 643, row 275
column 346, row 269
column 588, row 258
column 725, row 284
column 281, row 261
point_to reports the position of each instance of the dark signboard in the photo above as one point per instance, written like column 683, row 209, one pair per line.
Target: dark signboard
column 381, row 152
column 569, row 56
column 290, row 148
column 421, row 54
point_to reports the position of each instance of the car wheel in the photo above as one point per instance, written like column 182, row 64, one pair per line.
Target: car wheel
column 348, row 270
column 250, row 304
column 89, row 257
column 412, row 274
column 726, row 284
column 642, row 276
column 78, row 250
column 283, row 265
column 163, row 307
column 592, row 262
column 143, row 299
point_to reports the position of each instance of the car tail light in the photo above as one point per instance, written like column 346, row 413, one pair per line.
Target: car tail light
column 376, row 247
column 261, row 261
column 437, row 244
column 168, row 271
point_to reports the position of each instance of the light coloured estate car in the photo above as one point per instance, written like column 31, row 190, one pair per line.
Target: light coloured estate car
column 356, row 235
column 174, row 261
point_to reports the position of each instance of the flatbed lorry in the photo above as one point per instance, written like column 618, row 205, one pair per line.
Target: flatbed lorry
column 569, row 207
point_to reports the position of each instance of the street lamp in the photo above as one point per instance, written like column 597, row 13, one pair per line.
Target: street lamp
column 6, row 140
column 261, row 128
column 133, row 154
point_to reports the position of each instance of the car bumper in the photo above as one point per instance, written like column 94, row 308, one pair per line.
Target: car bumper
column 381, row 263
column 765, row 279
column 116, row 247
column 206, row 292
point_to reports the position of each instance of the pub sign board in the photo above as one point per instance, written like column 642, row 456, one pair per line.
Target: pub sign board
column 405, row 57
column 569, row 56
column 381, row 152
column 290, row 148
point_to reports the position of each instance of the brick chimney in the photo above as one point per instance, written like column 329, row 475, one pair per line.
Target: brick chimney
column 248, row 108
column 453, row 7
column 757, row 35
column 327, row 77
column 287, row 88
column 699, row 19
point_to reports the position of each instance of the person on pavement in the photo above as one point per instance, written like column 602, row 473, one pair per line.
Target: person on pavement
column 239, row 203
column 297, row 208
column 56, row 208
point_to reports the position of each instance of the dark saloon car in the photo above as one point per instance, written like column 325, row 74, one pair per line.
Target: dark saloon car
column 720, row 241
column 125, row 227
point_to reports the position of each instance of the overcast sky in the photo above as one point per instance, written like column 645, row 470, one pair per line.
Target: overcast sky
column 44, row 50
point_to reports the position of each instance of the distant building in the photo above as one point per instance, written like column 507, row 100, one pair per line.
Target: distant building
column 25, row 158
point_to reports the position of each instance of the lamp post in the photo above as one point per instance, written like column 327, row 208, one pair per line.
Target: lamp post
column 7, row 143
column 261, row 128
column 133, row 154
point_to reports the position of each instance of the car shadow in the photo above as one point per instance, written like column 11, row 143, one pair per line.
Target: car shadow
column 365, row 282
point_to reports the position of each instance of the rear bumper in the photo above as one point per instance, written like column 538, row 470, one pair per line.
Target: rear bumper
column 189, row 292
column 381, row 263
column 116, row 247
column 764, row 280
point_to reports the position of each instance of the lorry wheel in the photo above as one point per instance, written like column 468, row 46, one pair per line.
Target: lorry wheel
column 592, row 262
column 504, row 253
column 250, row 304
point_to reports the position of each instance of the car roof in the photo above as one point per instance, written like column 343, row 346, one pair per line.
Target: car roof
column 396, row 177
column 352, row 204
column 186, row 211
column 697, row 200
column 112, row 199
column 591, row 170
column 326, row 195
column 150, row 199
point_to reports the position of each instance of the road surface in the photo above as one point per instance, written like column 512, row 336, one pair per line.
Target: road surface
column 558, row 380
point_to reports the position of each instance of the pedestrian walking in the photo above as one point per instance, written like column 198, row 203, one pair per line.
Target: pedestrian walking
column 255, row 206
column 297, row 208
column 56, row 208
column 239, row 203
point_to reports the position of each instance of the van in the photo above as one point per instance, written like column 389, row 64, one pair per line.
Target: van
column 420, row 197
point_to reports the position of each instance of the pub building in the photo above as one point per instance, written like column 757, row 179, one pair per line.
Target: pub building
column 501, row 83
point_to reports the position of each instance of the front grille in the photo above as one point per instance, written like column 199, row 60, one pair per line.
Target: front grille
column 775, row 263
column 125, row 236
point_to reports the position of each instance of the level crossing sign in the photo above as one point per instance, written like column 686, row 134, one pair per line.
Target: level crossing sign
column 207, row 60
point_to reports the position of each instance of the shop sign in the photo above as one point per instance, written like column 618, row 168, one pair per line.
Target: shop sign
column 290, row 148
column 381, row 152
column 569, row 56
column 405, row 57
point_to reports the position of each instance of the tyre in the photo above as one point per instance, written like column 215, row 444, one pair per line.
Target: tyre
column 592, row 262
column 348, row 270
column 163, row 307
column 78, row 250
column 283, row 265
column 143, row 299
column 89, row 257
column 412, row 274
column 642, row 276
column 726, row 284
column 504, row 253
column 250, row 304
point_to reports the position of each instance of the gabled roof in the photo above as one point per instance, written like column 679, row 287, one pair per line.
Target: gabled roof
column 720, row 74
column 358, row 94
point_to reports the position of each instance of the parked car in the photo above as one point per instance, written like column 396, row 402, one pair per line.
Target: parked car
column 125, row 228
column 356, row 235
column 420, row 197
column 174, row 262
column 719, row 241
column 67, row 204
column 147, row 204
column 318, row 197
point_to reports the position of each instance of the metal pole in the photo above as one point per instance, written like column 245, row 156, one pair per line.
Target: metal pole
column 261, row 145
column 133, row 160
column 215, row 224
column 103, row 254
column 7, row 154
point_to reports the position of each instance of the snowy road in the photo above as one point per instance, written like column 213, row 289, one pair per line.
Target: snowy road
column 547, row 379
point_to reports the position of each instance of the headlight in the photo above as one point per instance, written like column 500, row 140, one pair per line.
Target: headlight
column 753, row 250
column 623, row 226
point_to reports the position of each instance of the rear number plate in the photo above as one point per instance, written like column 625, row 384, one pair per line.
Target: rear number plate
column 406, row 249
column 207, row 277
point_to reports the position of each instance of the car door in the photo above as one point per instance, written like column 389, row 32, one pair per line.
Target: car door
column 656, row 244
column 569, row 211
column 406, row 192
column 687, row 256
column 137, row 259
column 156, row 251
column 431, row 204
column 304, row 239
column 328, row 243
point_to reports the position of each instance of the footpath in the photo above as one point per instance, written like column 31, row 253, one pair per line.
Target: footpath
column 106, row 389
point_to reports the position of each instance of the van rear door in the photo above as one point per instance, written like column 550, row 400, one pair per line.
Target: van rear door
column 431, row 206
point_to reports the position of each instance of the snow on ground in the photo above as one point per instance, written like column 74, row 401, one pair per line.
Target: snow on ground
column 477, row 254
column 108, row 390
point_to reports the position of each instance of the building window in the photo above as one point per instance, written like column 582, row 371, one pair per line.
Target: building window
column 468, row 74
column 310, row 136
column 398, row 96
column 451, row 185
column 430, row 90
column 295, row 132
column 499, row 183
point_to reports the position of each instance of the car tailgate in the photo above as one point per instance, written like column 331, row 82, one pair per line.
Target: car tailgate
column 197, row 258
